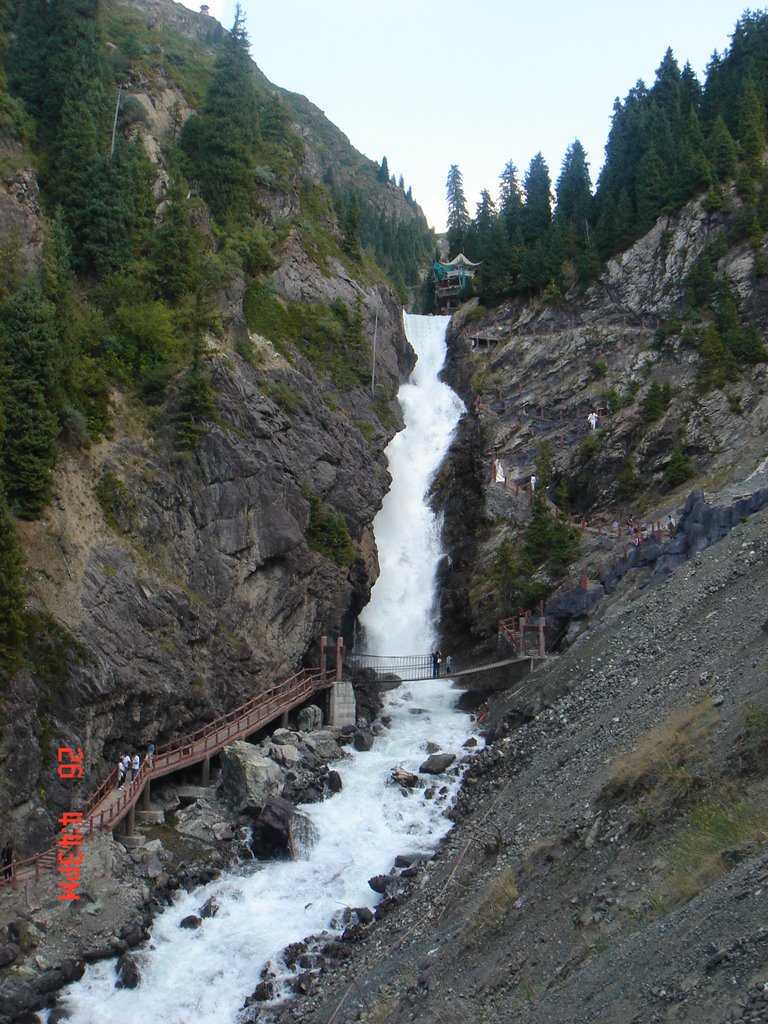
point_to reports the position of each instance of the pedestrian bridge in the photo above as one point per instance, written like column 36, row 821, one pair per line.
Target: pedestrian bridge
column 414, row 668
column 107, row 806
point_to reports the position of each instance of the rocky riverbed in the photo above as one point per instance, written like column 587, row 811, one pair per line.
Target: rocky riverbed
column 46, row 943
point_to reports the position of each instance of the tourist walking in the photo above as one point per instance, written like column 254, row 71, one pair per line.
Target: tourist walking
column 123, row 766
column 135, row 765
column 150, row 755
column 7, row 858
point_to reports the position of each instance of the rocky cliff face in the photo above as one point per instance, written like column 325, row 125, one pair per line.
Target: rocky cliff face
column 174, row 587
column 532, row 374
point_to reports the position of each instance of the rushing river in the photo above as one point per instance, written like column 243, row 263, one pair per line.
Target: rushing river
column 204, row 976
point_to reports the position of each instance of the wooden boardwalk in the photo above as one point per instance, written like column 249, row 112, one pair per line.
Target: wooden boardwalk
column 107, row 806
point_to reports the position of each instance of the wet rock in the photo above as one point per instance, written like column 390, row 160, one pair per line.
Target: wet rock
column 264, row 991
column 363, row 740
column 403, row 778
column 437, row 763
column 92, row 954
column 309, row 718
column 334, row 782
column 8, row 953
column 380, row 883
column 210, row 908
column 128, row 973
column 190, row 921
column 248, row 778
column 133, row 933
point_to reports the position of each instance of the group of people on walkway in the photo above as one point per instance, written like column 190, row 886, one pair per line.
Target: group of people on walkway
column 129, row 765
column 438, row 663
column 641, row 533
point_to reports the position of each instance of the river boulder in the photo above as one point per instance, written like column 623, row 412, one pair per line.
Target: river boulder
column 248, row 778
column 436, row 764
column 279, row 829
column 310, row 718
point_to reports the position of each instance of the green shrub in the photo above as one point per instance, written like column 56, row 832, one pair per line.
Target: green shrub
column 327, row 532
column 628, row 481
column 656, row 401
column 679, row 468
column 598, row 368
column 289, row 400
column 112, row 495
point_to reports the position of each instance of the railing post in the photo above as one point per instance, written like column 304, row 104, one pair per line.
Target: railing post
column 542, row 642
column 323, row 652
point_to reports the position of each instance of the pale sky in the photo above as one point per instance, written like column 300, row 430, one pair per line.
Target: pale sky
column 475, row 83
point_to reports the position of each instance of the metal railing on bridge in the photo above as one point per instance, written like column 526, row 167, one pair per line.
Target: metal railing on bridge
column 409, row 668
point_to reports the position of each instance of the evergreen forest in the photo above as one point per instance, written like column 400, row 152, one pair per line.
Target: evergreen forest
column 669, row 142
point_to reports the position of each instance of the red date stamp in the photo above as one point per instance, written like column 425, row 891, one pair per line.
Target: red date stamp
column 70, row 854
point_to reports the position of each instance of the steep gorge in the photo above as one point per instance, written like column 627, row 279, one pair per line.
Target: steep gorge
column 168, row 586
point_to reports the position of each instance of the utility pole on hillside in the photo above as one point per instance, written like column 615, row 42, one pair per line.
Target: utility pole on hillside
column 375, row 332
column 114, row 124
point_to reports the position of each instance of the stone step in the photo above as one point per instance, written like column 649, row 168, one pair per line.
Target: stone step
column 131, row 842
column 195, row 792
column 150, row 817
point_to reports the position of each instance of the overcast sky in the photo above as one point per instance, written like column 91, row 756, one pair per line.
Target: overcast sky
column 474, row 82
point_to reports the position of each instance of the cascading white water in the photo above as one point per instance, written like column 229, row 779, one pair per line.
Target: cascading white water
column 400, row 617
column 205, row 975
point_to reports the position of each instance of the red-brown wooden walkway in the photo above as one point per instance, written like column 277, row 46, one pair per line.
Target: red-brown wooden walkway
column 107, row 806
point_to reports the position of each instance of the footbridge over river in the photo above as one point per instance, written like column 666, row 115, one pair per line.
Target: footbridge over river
column 109, row 805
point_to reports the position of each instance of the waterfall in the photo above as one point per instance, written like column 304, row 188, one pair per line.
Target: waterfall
column 401, row 616
column 204, row 975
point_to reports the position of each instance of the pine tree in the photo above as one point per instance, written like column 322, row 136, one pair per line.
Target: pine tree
column 29, row 352
column 751, row 125
column 722, row 151
column 222, row 141
column 511, row 202
column 652, row 190
column 176, row 251
column 28, row 55
column 383, row 172
column 458, row 217
column 11, row 592
column 536, row 214
column 574, row 196
column 350, row 242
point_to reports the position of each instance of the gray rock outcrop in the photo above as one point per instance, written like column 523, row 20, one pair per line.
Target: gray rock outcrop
column 248, row 778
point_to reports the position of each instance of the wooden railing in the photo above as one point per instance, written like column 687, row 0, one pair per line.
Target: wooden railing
column 103, row 810
column 526, row 638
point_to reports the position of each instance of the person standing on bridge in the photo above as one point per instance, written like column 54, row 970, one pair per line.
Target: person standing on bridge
column 448, row 664
column 135, row 765
column 7, row 858
column 122, row 770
